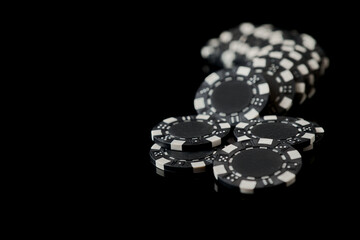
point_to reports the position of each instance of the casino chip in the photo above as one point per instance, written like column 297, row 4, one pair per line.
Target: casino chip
column 315, row 51
column 299, row 133
column 212, row 51
column 281, row 82
column 293, row 61
column 283, row 37
column 306, row 66
column 303, row 43
column 181, row 162
column 257, row 164
column 301, row 73
column 319, row 134
column 236, row 46
column 232, row 95
column 190, row 133
column 302, row 67
column 313, row 67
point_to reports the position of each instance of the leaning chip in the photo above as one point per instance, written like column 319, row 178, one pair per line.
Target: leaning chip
column 319, row 134
column 232, row 95
column 304, row 67
column 281, row 82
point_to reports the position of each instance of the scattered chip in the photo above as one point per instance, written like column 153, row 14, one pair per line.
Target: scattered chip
column 299, row 133
column 257, row 164
column 190, row 133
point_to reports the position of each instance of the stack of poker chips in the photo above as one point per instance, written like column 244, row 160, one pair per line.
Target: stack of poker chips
column 271, row 50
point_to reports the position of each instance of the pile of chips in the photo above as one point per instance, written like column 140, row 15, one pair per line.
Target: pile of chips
column 234, row 136
column 296, row 60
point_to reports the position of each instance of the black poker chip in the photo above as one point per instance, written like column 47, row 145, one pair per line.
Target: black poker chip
column 296, row 132
column 260, row 37
column 319, row 134
column 237, row 46
column 303, row 68
column 255, row 41
column 318, row 55
column 257, row 164
column 283, row 37
column 314, row 51
column 299, row 70
column 303, row 43
column 212, row 51
column 281, row 82
column 301, row 74
column 306, row 66
column 230, row 48
column 307, row 56
column 181, row 162
column 232, row 95
column 241, row 32
column 190, row 133
column 240, row 45
column 314, row 62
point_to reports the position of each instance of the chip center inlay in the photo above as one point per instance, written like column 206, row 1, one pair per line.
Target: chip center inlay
column 232, row 96
column 191, row 129
column 257, row 162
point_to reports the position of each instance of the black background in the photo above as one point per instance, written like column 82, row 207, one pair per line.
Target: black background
column 167, row 45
